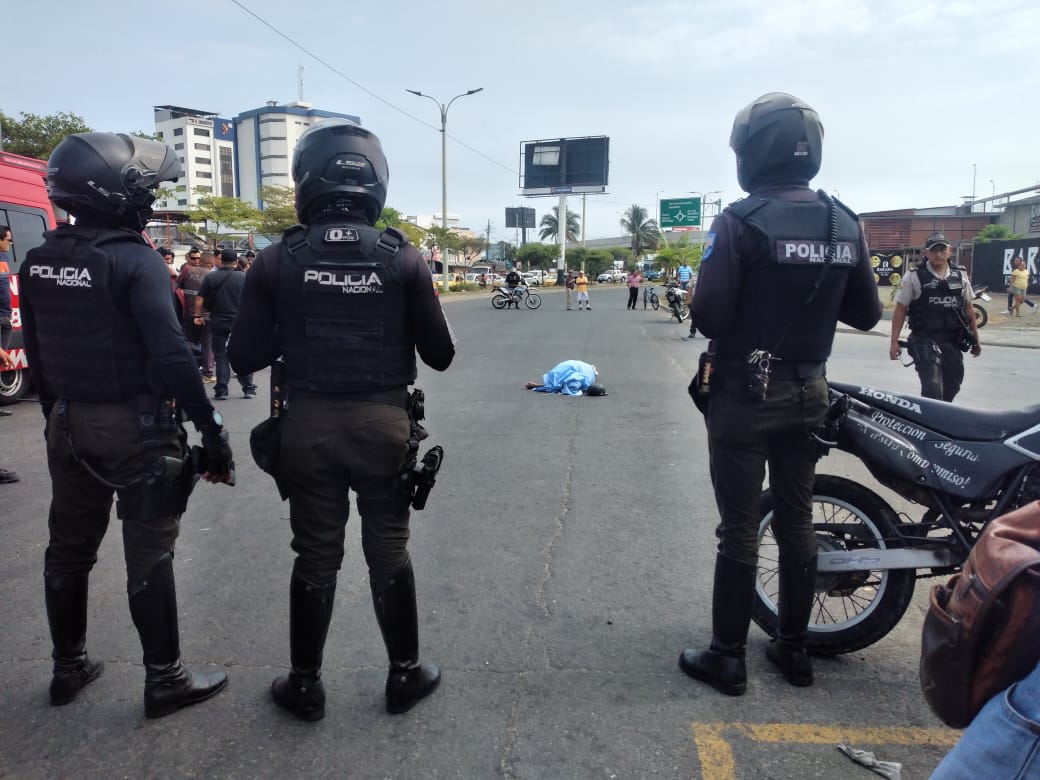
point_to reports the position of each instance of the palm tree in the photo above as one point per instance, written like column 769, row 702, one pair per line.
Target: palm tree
column 551, row 228
column 645, row 232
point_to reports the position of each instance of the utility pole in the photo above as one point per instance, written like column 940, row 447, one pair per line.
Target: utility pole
column 487, row 245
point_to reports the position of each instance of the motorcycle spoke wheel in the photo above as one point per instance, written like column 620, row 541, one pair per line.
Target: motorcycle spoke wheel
column 655, row 302
column 532, row 301
column 851, row 610
column 981, row 315
column 499, row 301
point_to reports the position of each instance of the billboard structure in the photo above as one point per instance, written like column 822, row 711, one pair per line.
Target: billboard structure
column 565, row 166
column 562, row 167
column 520, row 217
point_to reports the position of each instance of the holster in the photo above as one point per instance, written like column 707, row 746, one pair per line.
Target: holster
column 265, row 440
column 164, row 493
column 700, row 385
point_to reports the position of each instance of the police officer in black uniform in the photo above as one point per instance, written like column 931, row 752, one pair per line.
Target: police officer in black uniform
column 346, row 306
column 938, row 297
column 114, row 375
column 779, row 269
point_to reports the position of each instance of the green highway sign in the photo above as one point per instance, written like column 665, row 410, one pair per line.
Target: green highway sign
column 680, row 212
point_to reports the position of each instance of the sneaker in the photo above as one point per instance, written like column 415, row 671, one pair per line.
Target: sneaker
column 220, row 396
column 7, row 476
column 5, row 412
column 1005, row 311
column 208, row 380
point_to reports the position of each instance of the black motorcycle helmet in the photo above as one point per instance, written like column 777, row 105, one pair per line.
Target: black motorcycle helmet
column 109, row 178
column 777, row 139
column 596, row 389
column 339, row 166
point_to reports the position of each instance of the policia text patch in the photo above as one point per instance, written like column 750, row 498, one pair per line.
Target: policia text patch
column 801, row 252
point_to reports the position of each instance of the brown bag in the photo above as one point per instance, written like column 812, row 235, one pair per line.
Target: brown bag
column 982, row 630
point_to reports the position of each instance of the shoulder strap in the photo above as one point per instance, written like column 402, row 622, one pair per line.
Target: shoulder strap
column 389, row 244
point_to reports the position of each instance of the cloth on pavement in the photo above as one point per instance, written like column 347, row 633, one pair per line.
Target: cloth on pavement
column 892, row 769
column 571, row 377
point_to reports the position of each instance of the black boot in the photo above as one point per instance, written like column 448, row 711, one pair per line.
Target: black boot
column 787, row 651
column 168, row 686
column 66, row 598
column 310, row 611
column 408, row 680
column 722, row 664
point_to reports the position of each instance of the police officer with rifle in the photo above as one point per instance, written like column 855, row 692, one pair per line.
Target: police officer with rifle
column 345, row 306
column 937, row 298
column 779, row 269
column 115, row 378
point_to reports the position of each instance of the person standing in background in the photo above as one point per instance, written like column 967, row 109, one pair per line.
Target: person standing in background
column 634, row 280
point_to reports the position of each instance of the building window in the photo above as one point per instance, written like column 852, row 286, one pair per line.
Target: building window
column 200, row 131
column 274, row 157
column 178, row 147
column 204, row 174
column 227, row 171
column 203, row 161
column 273, row 138
column 203, row 188
column 178, row 131
column 182, row 188
column 182, row 202
column 202, row 147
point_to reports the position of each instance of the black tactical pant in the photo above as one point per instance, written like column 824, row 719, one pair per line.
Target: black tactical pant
column 330, row 445
column 939, row 364
column 220, row 331
column 108, row 438
column 746, row 435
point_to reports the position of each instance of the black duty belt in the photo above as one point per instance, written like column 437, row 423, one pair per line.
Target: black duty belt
column 778, row 369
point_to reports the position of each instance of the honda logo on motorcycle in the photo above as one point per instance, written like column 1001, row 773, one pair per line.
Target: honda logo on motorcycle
column 895, row 400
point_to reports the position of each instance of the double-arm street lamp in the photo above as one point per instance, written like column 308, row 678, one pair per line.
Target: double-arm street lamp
column 444, row 162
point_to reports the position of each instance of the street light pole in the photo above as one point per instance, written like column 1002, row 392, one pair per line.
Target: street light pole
column 443, row 108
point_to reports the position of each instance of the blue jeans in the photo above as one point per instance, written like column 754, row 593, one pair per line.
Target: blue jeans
column 1004, row 739
column 220, row 329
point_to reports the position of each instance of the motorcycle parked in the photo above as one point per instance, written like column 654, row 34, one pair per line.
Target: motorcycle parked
column 981, row 315
column 504, row 298
column 964, row 466
column 676, row 297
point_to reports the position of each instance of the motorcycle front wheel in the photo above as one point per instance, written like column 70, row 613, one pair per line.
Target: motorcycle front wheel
column 981, row 315
column 851, row 610
column 532, row 301
column 499, row 301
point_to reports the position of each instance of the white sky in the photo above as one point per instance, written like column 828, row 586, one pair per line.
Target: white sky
column 911, row 95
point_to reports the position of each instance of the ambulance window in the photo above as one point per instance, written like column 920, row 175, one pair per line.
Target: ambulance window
column 27, row 229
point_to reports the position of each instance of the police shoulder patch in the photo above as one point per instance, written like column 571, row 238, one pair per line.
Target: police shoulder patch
column 709, row 246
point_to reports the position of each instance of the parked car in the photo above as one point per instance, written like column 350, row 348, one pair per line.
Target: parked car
column 531, row 278
column 614, row 275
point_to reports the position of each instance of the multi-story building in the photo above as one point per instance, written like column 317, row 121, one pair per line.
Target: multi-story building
column 205, row 145
column 266, row 139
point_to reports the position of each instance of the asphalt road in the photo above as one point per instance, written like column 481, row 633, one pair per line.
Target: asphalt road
column 563, row 562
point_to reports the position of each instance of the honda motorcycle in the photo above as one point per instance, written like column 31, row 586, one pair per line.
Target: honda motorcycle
column 963, row 466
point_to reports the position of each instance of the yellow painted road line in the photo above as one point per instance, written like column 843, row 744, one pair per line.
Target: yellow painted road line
column 716, row 754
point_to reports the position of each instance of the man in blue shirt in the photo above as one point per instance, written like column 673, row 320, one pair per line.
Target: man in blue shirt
column 685, row 274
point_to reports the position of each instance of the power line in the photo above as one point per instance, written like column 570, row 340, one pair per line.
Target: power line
column 364, row 89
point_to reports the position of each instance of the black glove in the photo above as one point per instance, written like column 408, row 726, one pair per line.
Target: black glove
column 215, row 457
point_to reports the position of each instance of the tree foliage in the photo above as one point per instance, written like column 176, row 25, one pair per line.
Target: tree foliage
column 213, row 213
column 594, row 261
column 543, row 256
column 996, row 233
column 392, row 218
column 644, row 231
column 36, row 136
column 279, row 212
column 551, row 228
column 671, row 256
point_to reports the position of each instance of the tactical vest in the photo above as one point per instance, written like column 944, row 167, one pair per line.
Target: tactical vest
column 940, row 309
column 791, row 240
column 337, row 299
column 89, row 349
